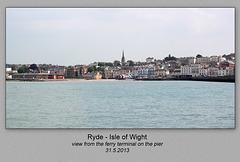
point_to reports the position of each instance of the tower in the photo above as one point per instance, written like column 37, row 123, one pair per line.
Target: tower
column 123, row 58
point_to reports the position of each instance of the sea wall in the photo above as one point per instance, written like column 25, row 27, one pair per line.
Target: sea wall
column 212, row 79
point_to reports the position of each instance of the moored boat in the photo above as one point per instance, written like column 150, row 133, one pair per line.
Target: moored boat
column 121, row 77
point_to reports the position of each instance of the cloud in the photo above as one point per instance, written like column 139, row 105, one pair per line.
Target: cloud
column 100, row 33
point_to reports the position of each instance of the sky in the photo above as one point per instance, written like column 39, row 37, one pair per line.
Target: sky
column 70, row 36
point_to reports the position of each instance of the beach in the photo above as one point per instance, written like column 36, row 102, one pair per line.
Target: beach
column 87, row 80
column 70, row 79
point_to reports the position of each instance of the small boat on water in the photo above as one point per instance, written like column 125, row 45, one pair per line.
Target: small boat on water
column 122, row 77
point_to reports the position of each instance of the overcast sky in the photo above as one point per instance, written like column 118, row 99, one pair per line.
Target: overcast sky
column 84, row 35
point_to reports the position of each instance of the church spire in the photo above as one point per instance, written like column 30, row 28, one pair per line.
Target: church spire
column 123, row 58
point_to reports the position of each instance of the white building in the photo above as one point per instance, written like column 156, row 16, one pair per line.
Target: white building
column 213, row 72
column 222, row 72
column 146, row 72
column 134, row 73
column 143, row 72
column 203, row 72
column 151, row 70
column 149, row 59
column 214, row 58
column 229, row 71
column 116, row 73
column 8, row 69
column 217, row 59
column 221, row 59
column 186, row 69
column 195, row 68
column 161, row 73
column 201, row 60
column 191, row 60
column 192, row 69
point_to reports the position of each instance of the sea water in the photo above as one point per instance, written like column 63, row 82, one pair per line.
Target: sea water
column 120, row 104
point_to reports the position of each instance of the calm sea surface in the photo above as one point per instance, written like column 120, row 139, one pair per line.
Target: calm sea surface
column 120, row 104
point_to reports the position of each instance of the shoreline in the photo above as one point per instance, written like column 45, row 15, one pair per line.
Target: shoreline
column 111, row 80
column 61, row 80
column 205, row 79
column 91, row 80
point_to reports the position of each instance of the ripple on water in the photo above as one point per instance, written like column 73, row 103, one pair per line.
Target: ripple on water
column 120, row 105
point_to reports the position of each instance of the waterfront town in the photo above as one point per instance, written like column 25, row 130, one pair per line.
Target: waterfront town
column 168, row 68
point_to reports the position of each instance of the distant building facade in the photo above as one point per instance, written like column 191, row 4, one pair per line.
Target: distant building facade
column 150, row 60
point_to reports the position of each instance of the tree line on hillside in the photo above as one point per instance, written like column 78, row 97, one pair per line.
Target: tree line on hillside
column 25, row 69
column 35, row 68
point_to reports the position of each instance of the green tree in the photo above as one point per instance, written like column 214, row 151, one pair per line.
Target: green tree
column 99, row 69
column 224, row 55
column 33, row 67
column 43, row 67
column 11, row 66
column 170, row 58
column 199, row 56
column 109, row 64
column 14, row 67
column 116, row 63
column 91, row 69
column 100, row 64
column 130, row 63
column 23, row 69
